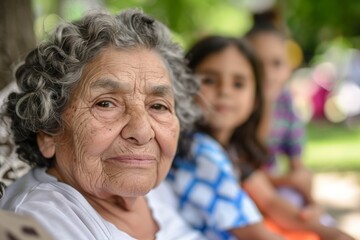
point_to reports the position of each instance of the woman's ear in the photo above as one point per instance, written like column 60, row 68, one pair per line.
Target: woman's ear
column 46, row 144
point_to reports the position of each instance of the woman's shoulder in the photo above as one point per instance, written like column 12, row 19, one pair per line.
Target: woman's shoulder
column 38, row 188
column 53, row 203
column 17, row 191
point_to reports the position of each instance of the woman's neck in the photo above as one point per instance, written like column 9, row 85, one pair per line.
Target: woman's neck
column 127, row 214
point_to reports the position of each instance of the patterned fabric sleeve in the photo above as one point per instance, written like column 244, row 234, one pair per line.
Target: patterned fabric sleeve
column 211, row 198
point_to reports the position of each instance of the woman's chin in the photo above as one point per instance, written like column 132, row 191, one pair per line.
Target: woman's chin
column 135, row 187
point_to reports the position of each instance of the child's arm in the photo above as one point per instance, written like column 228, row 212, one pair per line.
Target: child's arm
column 281, row 211
column 299, row 177
column 256, row 231
column 271, row 204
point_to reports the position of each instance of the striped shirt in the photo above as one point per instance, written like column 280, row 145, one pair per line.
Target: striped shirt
column 286, row 132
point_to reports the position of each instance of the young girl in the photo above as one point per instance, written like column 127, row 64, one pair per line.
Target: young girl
column 280, row 128
column 206, row 174
column 207, row 183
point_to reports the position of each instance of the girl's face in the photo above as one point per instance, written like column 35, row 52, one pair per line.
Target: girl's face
column 227, row 90
column 272, row 53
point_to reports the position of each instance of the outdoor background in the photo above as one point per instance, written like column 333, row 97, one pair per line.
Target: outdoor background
column 324, row 49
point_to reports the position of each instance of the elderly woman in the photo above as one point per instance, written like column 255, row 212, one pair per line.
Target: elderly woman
column 96, row 114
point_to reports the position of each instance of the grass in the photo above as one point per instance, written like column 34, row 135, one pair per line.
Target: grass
column 332, row 147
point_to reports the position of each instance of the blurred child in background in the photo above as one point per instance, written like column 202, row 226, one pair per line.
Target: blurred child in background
column 280, row 129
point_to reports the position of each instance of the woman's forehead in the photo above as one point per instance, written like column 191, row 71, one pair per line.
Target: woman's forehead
column 133, row 60
column 115, row 68
column 158, row 88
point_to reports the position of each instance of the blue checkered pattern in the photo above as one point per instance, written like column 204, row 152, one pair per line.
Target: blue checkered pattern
column 210, row 197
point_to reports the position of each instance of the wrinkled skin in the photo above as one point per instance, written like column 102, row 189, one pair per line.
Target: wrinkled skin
column 120, row 129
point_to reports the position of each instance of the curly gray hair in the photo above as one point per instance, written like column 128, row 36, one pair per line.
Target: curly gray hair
column 53, row 69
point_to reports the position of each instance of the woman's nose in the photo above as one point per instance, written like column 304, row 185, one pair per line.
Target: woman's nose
column 138, row 129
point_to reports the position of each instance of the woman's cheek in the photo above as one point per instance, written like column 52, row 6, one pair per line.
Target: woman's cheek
column 109, row 116
column 166, row 128
column 173, row 136
column 90, row 135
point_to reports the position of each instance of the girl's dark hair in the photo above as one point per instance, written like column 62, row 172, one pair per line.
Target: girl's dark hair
column 244, row 139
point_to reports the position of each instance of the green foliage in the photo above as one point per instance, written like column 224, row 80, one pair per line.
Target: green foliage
column 332, row 147
column 310, row 22
column 190, row 20
column 314, row 22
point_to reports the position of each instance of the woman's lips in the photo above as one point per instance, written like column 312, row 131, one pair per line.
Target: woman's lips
column 134, row 160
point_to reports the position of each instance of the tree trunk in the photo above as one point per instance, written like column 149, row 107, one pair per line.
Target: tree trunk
column 17, row 36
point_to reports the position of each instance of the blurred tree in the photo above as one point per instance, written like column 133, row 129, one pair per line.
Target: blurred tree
column 190, row 20
column 309, row 22
column 315, row 22
column 17, row 35
column 187, row 19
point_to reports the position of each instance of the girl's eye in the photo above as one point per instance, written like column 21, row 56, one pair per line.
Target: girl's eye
column 159, row 107
column 238, row 84
column 105, row 104
column 208, row 81
column 277, row 63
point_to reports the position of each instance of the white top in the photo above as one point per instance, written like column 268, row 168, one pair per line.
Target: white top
column 66, row 214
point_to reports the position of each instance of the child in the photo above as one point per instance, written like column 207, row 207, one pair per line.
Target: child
column 208, row 188
column 207, row 178
column 280, row 128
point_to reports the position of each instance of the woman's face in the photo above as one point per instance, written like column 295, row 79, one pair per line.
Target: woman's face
column 120, row 128
column 227, row 90
column 272, row 53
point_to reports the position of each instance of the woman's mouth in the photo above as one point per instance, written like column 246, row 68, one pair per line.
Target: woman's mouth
column 134, row 160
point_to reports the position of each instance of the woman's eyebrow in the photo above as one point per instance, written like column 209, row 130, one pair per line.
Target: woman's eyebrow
column 161, row 90
column 109, row 84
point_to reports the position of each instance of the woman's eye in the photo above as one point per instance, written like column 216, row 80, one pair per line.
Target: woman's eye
column 159, row 107
column 105, row 104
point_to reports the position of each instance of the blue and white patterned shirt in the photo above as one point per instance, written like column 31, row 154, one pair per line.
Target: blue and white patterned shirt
column 209, row 192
